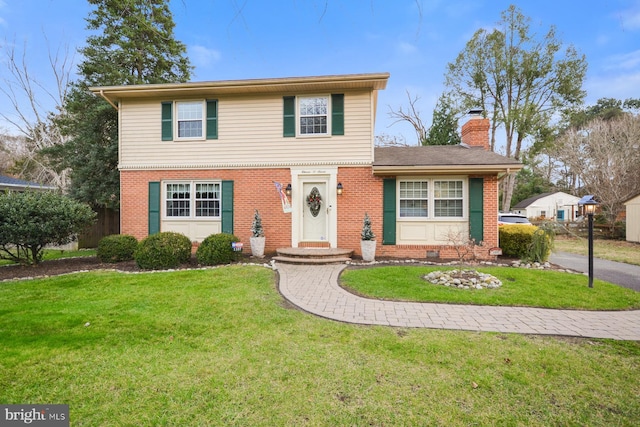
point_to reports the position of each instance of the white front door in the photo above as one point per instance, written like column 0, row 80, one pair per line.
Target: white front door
column 315, row 211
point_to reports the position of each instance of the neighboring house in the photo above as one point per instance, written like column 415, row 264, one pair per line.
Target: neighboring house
column 633, row 219
column 558, row 206
column 198, row 158
column 8, row 183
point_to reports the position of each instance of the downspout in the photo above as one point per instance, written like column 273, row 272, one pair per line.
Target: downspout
column 108, row 100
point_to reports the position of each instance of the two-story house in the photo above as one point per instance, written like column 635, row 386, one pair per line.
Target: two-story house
column 199, row 158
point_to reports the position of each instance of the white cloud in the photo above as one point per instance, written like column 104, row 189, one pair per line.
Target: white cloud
column 203, row 56
column 406, row 48
column 630, row 19
column 626, row 61
column 621, row 86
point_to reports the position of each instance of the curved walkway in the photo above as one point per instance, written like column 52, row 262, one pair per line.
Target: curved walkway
column 315, row 289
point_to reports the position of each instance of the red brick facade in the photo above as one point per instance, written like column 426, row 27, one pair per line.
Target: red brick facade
column 254, row 189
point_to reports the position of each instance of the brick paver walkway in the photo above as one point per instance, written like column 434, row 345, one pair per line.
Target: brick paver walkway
column 315, row 289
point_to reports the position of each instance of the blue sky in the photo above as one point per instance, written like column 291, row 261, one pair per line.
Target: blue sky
column 413, row 40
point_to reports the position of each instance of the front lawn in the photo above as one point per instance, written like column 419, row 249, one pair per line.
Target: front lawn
column 520, row 287
column 221, row 347
column 613, row 250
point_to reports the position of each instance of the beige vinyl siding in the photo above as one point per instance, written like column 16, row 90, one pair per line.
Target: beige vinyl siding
column 633, row 220
column 250, row 133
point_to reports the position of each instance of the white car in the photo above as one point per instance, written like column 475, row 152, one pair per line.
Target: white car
column 509, row 218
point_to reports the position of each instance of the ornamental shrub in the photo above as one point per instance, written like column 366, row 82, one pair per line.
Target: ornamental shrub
column 116, row 248
column 163, row 250
column 217, row 249
column 541, row 244
column 515, row 239
column 367, row 233
column 31, row 220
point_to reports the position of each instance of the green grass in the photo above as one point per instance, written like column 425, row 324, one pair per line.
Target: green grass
column 50, row 254
column 520, row 287
column 221, row 347
column 612, row 250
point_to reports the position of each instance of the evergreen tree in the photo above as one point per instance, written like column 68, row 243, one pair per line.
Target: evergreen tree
column 444, row 130
column 133, row 43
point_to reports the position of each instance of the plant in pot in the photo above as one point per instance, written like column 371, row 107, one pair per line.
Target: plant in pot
column 367, row 242
column 257, row 236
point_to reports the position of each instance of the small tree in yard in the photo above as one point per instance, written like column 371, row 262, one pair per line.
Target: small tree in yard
column 30, row 221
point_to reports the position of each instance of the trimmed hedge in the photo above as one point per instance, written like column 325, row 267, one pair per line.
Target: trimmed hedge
column 116, row 248
column 515, row 239
column 217, row 249
column 163, row 250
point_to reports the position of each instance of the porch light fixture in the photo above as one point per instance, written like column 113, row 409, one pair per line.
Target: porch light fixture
column 589, row 205
column 288, row 189
column 339, row 189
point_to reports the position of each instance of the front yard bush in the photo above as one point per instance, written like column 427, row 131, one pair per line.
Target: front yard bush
column 117, row 248
column 31, row 220
column 217, row 249
column 163, row 250
column 515, row 240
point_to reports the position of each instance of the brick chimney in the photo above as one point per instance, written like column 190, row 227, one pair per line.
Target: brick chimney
column 475, row 132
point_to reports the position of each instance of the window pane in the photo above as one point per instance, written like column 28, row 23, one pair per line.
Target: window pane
column 313, row 115
column 207, row 199
column 177, row 200
column 189, row 119
column 445, row 208
column 414, row 199
column 447, row 189
column 413, row 208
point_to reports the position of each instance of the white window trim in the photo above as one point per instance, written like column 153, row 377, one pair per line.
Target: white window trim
column 176, row 131
column 430, row 200
column 192, row 198
column 299, row 133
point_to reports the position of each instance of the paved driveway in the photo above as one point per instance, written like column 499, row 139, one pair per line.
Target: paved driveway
column 622, row 274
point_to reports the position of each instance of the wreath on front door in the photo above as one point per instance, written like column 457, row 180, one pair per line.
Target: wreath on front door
column 314, row 201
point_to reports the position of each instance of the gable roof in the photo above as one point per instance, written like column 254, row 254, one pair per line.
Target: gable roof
column 10, row 183
column 441, row 159
column 528, row 202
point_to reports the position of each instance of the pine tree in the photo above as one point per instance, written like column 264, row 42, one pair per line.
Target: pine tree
column 444, row 130
column 133, row 43
column 367, row 233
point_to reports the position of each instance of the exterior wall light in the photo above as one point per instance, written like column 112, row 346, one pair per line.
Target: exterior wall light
column 339, row 188
column 288, row 189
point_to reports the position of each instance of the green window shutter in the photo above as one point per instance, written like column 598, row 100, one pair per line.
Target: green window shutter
column 289, row 120
column 154, row 207
column 227, row 207
column 476, row 209
column 167, row 121
column 389, row 212
column 212, row 119
column 337, row 114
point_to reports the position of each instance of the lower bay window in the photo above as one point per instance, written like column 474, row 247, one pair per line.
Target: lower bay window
column 433, row 198
column 192, row 199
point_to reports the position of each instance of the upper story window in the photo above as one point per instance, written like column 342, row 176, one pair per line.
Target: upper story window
column 314, row 115
column 189, row 119
column 192, row 199
column 305, row 116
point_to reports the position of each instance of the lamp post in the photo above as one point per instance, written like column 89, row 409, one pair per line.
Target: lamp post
column 589, row 205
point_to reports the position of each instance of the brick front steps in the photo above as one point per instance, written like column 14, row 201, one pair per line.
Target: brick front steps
column 313, row 255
